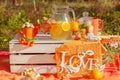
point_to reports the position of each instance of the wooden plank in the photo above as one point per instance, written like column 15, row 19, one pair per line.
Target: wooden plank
column 42, row 45
column 39, row 68
column 32, row 59
column 40, row 39
column 37, row 48
column 13, row 41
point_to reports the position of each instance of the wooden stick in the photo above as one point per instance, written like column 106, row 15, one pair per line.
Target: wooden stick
column 34, row 2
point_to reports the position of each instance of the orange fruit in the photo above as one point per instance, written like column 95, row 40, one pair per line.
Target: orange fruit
column 31, row 43
column 25, row 43
column 21, row 40
column 96, row 74
column 65, row 26
column 28, row 43
column 78, row 37
column 17, row 31
column 75, row 25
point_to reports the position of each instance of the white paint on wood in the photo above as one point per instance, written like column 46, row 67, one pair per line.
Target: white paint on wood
column 37, row 48
column 32, row 59
column 43, row 45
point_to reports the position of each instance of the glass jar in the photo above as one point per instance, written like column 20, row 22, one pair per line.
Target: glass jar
column 60, row 23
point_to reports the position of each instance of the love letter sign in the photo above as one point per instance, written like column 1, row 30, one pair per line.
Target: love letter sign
column 77, row 58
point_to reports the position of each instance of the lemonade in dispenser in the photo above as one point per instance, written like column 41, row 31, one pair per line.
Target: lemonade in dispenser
column 60, row 23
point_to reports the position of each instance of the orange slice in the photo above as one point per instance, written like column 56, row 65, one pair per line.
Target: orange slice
column 65, row 26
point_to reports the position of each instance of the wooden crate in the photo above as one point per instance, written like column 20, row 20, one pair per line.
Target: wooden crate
column 39, row 56
column 43, row 63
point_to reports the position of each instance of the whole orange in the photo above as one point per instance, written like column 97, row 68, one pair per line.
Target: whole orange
column 75, row 25
column 97, row 74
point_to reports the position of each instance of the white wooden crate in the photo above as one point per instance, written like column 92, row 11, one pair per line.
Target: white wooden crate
column 39, row 56
column 43, row 63
column 42, row 45
column 32, row 59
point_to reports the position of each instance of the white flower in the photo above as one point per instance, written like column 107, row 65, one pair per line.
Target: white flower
column 27, row 24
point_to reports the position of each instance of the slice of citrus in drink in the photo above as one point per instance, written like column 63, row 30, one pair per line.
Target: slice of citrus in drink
column 65, row 26
column 56, row 29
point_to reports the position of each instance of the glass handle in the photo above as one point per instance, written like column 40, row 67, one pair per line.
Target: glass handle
column 73, row 13
column 101, row 24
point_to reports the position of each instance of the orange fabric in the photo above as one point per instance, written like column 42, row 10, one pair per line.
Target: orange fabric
column 106, row 76
column 8, row 76
column 109, row 39
column 86, row 44
column 103, row 49
column 72, row 48
column 50, row 76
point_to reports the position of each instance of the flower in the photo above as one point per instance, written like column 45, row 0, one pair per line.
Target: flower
column 27, row 24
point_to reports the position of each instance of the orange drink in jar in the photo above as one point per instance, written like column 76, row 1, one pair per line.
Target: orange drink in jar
column 28, row 30
column 28, row 33
column 60, row 30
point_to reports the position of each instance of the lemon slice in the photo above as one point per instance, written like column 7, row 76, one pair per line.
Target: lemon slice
column 56, row 29
column 65, row 26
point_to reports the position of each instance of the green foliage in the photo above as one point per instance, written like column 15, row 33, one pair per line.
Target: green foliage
column 108, row 57
column 1, row 20
column 9, row 25
column 112, row 23
column 16, row 21
column 4, row 37
column 111, row 52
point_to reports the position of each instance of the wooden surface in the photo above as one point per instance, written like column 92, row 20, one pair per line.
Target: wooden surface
column 32, row 59
column 39, row 56
column 43, row 45
column 39, row 68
